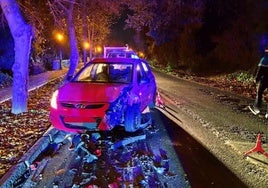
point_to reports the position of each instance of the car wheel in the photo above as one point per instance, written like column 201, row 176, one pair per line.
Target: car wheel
column 152, row 103
column 132, row 118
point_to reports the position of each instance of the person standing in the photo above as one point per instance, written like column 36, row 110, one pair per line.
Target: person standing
column 261, row 79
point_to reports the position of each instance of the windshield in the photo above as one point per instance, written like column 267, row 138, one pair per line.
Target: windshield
column 122, row 53
column 106, row 72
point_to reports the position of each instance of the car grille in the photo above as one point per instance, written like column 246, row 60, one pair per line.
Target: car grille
column 81, row 123
column 82, row 105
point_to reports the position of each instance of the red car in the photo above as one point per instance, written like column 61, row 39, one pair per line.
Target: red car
column 106, row 93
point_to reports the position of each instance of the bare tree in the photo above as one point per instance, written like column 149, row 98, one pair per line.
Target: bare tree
column 97, row 16
column 92, row 21
column 63, row 10
column 22, row 35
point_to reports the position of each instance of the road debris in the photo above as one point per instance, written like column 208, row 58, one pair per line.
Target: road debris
column 114, row 160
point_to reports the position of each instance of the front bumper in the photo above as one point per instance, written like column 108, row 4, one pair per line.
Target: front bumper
column 78, row 120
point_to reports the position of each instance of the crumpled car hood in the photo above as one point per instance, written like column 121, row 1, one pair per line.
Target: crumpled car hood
column 90, row 92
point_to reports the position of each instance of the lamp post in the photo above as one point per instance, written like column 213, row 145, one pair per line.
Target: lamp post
column 60, row 38
column 86, row 48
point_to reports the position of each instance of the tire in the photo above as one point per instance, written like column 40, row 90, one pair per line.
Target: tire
column 132, row 118
column 152, row 103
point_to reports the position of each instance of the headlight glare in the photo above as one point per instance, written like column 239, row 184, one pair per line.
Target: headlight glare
column 53, row 102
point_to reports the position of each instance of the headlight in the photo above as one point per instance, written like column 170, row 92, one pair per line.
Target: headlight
column 53, row 102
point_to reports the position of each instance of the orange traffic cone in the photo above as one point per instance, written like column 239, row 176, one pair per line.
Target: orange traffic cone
column 258, row 147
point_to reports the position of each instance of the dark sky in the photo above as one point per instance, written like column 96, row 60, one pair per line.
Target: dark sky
column 120, row 36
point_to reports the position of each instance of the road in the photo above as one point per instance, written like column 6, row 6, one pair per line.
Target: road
column 203, row 169
column 221, row 122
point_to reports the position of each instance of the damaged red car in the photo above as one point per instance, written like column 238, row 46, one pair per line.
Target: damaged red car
column 104, row 94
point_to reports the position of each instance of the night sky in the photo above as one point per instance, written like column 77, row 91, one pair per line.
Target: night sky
column 119, row 35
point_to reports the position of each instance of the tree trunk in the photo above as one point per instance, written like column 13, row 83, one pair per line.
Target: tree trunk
column 91, row 39
column 84, row 19
column 22, row 35
column 74, row 55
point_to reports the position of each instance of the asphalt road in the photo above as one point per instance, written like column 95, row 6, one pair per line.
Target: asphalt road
column 202, row 168
column 216, row 129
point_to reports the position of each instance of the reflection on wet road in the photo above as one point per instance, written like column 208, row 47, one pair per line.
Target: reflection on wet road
column 201, row 167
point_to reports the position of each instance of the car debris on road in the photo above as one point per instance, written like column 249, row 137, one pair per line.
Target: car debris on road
column 116, row 160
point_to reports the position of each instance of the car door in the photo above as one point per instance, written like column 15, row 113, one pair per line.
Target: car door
column 144, row 84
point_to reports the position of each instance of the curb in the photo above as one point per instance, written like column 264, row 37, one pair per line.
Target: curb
column 18, row 171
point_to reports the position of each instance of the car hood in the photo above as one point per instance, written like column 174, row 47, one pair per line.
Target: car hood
column 90, row 92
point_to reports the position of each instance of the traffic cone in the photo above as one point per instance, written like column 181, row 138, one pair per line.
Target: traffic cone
column 159, row 101
column 258, row 147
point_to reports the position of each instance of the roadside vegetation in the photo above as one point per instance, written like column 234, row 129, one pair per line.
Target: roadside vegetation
column 239, row 82
column 5, row 80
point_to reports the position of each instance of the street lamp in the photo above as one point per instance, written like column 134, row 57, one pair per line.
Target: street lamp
column 86, row 47
column 60, row 38
column 141, row 54
column 98, row 50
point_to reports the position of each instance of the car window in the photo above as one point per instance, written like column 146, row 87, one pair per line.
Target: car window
column 85, row 75
column 121, row 73
column 145, row 67
column 142, row 75
column 106, row 72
